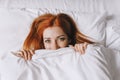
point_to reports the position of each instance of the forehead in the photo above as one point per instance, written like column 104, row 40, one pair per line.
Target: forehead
column 53, row 32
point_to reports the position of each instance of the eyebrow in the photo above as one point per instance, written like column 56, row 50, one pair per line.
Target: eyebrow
column 57, row 37
column 61, row 36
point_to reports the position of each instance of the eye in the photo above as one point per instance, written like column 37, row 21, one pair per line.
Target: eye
column 62, row 39
column 47, row 41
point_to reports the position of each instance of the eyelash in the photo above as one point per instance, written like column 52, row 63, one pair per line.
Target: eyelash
column 47, row 41
column 61, row 39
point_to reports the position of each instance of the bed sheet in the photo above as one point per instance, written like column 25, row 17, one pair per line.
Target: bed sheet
column 113, row 32
column 113, row 43
column 77, row 5
column 61, row 64
column 115, row 62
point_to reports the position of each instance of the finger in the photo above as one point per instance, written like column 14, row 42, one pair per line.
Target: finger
column 76, row 47
column 20, row 53
column 83, row 48
column 25, row 54
column 16, row 53
column 85, row 45
column 29, row 57
column 80, row 48
column 32, row 52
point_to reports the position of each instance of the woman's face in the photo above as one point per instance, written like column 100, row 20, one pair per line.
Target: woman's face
column 54, row 38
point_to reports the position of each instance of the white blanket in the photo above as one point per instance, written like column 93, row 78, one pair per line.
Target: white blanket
column 61, row 64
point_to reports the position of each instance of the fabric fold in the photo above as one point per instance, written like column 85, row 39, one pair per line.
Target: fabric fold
column 61, row 64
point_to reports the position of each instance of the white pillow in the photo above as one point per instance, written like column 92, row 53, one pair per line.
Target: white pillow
column 73, row 5
column 93, row 25
column 14, row 26
column 113, row 35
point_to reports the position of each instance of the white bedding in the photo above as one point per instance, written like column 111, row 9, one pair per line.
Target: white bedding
column 14, row 25
column 61, row 64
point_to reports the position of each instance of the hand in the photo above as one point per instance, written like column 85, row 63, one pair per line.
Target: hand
column 80, row 47
column 26, row 54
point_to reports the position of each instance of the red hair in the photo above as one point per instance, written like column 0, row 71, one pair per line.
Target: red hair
column 34, row 39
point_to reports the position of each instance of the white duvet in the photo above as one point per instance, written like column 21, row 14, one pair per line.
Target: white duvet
column 61, row 64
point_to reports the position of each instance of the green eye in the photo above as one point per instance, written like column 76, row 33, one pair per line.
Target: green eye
column 47, row 41
column 62, row 39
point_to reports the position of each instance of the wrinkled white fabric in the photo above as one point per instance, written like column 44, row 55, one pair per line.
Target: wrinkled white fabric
column 77, row 5
column 61, row 64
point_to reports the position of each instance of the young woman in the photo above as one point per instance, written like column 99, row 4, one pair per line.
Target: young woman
column 52, row 32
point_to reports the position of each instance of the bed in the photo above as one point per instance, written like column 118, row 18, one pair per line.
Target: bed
column 93, row 18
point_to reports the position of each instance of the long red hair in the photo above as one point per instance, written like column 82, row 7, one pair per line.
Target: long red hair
column 34, row 39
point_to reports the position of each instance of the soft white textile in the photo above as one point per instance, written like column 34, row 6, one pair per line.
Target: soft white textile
column 93, row 25
column 113, row 34
column 14, row 23
column 61, row 64
column 113, row 42
column 115, row 64
column 73, row 5
column 14, row 27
